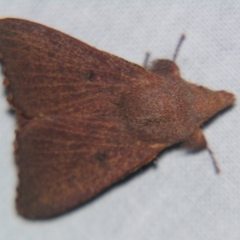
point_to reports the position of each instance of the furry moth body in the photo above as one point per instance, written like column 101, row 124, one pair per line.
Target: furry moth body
column 87, row 119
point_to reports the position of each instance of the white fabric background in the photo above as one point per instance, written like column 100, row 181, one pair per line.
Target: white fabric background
column 181, row 198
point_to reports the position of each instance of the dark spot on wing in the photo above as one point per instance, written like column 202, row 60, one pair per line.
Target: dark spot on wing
column 89, row 76
column 101, row 156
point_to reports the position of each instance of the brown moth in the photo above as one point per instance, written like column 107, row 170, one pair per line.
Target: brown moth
column 87, row 119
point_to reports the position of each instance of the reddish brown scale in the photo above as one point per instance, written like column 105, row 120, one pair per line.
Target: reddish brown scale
column 87, row 118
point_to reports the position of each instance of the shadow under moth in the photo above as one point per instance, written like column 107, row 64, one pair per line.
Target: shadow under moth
column 87, row 119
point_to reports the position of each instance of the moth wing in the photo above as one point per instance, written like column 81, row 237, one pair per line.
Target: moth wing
column 71, row 144
column 65, row 161
column 48, row 72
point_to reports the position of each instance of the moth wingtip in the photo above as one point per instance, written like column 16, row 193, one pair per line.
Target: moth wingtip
column 22, row 210
column 22, row 207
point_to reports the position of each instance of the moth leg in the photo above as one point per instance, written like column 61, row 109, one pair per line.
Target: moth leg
column 164, row 67
column 146, row 60
column 180, row 41
column 197, row 142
